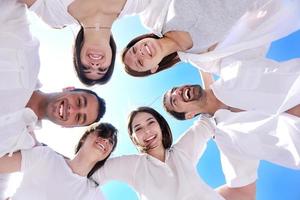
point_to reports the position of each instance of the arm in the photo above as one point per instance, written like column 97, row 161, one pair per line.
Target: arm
column 241, row 193
column 9, row 164
column 28, row 2
column 207, row 79
column 193, row 141
column 122, row 168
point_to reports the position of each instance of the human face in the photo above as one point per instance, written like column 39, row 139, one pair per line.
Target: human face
column 94, row 144
column 96, row 60
column 185, row 99
column 72, row 108
column 146, row 132
column 144, row 55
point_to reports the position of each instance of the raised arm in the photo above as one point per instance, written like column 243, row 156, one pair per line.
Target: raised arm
column 9, row 164
column 28, row 2
column 241, row 193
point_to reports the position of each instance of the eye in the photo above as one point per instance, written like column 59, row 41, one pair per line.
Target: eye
column 151, row 122
column 174, row 101
column 137, row 129
column 140, row 63
column 77, row 118
column 111, row 141
column 85, row 68
column 79, row 102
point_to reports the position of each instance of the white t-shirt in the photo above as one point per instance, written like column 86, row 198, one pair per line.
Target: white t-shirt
column 47, row 176
column 175, row 179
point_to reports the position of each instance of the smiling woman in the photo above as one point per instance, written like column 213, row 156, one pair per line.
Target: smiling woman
column 162, row 170
column 49, row 175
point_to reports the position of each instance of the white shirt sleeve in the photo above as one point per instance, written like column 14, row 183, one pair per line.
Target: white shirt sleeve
column 119, row 168
column 33, row 157
column 239, row 171
column 193, row 141
column 54, row 12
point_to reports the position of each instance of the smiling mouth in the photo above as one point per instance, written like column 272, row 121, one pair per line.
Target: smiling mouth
column 100, row 146
column 187, row 94
column 62, row 110
column 148, row 50
column 95, row 56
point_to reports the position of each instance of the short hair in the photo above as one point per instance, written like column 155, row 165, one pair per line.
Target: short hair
column 165, row 63
column 175, row 114
column 79, row 66
column 104, row 130
column 101, row 103
column 167, row 138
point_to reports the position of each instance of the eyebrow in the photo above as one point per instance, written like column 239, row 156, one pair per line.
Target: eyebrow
column 171, row 98
column 84, row 101
column 137, row 125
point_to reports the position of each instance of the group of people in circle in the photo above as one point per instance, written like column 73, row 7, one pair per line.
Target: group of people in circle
column 244, row 108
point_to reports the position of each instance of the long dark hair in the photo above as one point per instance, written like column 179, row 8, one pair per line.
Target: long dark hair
column 104, row 130
column 167, row 138
column 165, row 63
column 79, row 66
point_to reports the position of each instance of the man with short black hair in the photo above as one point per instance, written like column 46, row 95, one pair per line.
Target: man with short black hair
column 260, row 115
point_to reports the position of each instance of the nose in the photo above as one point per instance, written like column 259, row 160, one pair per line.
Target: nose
column 95, row 64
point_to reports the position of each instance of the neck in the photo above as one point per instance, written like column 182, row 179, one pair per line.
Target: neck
column 213, row 104
column 81, row 165
column 37, row 103
column 168, row 46
column 158, row 153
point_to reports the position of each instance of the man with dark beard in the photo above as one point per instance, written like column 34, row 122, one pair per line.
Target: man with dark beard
column 270, row 124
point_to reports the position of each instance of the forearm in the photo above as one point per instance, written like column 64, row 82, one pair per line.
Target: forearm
column 28, row 2
column 242, row 193
column 9, row 164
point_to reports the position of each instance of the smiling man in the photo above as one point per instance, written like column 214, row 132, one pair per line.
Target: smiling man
column 22, row 104
column 262, row 113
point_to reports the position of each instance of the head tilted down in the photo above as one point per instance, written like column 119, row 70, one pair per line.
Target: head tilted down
column 149, row 130
column 100, row 140
column 185, row 102
column 74, row 107
column 94, row 63
column 144, row 56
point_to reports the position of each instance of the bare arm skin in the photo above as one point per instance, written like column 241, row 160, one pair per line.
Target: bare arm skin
column 294, row 111
column 9, row 164
column 242, row 193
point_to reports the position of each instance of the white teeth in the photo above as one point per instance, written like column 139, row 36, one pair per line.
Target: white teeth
column 61, row 110
column 150, row 138
column 148, row 50
column 101, row 146
column 186, row 94
column 95, row 56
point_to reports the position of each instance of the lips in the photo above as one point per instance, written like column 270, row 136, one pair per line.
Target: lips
column 95, row 56
column 100, row 146
column 150, row 142
column 62, row 110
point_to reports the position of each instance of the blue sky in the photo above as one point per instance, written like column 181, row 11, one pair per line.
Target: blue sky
column 123, row 93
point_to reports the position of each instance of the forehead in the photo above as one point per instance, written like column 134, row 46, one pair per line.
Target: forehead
column 141, row 118
column 168, row 99
column 129, row 59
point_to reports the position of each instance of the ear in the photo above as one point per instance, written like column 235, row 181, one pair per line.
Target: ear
column 190, row 115
column 70, row 88
column 154, row 69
